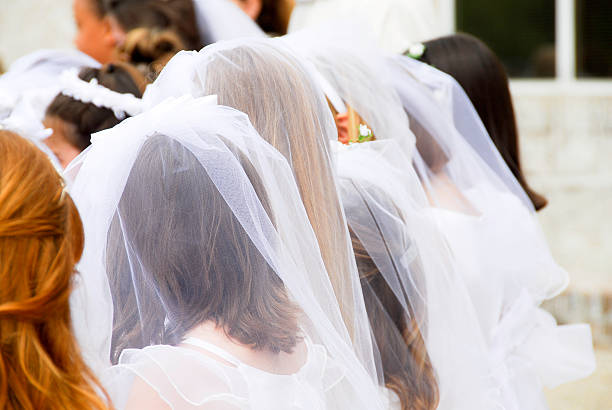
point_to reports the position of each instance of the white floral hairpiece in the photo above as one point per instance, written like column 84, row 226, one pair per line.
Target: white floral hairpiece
column 416, row 51
column 98, row 95
column 365, row 134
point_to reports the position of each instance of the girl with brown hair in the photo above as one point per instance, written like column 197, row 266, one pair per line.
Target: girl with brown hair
column 482, row 76
column 41, row 240
column 490, row 225
column 393, row 285
column 74, row 116
column 220, row 298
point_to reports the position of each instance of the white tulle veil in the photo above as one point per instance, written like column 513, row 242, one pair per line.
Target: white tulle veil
column 401, row 255
column 491, row 226
column 162, row 192
column 456, row 155
column 384, row 198
column 220, row 20
column 29, row 87
column 263, row 78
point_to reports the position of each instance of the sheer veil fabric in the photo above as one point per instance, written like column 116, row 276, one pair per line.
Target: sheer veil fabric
column 220, row 20
column 263, row 78
column 389, row 215
column 491, row 227
column 29, row 87
column 211, row 290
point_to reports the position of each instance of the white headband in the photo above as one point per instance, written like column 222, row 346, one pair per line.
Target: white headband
column 100, row 96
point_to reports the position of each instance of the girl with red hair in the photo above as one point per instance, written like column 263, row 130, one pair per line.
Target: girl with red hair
column 41, row 240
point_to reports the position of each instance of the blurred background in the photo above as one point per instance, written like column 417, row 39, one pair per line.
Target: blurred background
column 559, row 56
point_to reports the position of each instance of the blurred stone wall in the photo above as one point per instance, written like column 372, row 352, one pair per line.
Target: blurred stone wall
column 28, row 25
column 566, row 143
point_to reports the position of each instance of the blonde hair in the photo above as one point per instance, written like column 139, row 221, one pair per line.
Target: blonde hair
column 297, row 123
column 41, row 240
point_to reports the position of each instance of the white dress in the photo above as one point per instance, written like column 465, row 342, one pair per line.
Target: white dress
column 390, row 399
column 190, row 379
column 508, row 276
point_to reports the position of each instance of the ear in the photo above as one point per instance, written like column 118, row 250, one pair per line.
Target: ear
column 113, row 33
column 252, row 8
column 342, row 124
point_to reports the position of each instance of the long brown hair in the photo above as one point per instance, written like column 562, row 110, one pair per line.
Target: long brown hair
column 395, row 315
column 483, row 77
column 293, row 120
column 197, row 263
column 41, row 240
column 406, row 366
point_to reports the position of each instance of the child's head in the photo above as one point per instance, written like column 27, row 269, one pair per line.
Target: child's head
column 73, row 121
column 41, row 240
column 196, row 264
column 271, row 15
column 102, row 25
column 481, row 74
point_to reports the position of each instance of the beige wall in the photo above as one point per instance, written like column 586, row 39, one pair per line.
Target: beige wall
column 566, row 142
column 567, row 154
column 28, row 25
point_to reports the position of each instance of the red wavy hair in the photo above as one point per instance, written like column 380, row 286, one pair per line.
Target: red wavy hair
column 41, row 240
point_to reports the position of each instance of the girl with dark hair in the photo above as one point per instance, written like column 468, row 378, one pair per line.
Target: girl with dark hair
column 490, row 225
column 102, row 25
column 73, row 120
column 483, row 77
column 271, row 15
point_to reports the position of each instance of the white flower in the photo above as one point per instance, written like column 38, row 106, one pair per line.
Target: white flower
column 416, row 50
column 364, row 131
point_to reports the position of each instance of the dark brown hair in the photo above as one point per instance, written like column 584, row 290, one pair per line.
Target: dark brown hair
column 41, row 240
column 84, row 119
column 175, row 15
column 218, row 275
column 273, row 16
column 406, row 365
column 478, row 70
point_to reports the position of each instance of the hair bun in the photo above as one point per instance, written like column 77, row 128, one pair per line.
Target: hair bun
column 150, row 49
